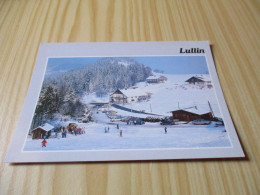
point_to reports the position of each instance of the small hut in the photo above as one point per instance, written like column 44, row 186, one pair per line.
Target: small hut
column 42, row 131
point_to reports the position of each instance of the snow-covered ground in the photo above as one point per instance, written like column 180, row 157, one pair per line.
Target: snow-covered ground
column 150, row 135
column 89, row 98
column 171, row 95
column 174, row 94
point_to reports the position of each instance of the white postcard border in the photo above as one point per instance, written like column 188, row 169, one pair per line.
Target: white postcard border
column 106, row 49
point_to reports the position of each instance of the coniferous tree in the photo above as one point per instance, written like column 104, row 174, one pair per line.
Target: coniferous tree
column 49, row 102
column 61, row 93
column 106, row 74
column 69, row 100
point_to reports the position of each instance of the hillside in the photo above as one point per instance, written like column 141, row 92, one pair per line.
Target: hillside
column 168, row 96
column 103, row 76
column 174, row 94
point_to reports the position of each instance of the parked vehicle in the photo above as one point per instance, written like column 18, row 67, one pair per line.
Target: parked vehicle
column 138, row 121
column 116, row 119
column 167, row 121
column 200, row 122
column 217, row 124
column 72, row 126
column 133, row 120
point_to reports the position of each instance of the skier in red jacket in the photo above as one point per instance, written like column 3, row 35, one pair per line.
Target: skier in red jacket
column 44, row 142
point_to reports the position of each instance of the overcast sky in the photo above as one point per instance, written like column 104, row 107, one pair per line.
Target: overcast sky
column 169, row 64
column 176, row 64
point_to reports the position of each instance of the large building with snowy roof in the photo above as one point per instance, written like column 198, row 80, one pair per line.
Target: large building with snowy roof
column 192, row 113
column 129, row 95
column 118, row 97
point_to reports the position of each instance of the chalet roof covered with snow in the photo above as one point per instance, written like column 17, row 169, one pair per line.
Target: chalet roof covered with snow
column 153, row 77
column 134, row 92
column 117, row 92
column 194, row 109
column 45, row 127
column 202, row 78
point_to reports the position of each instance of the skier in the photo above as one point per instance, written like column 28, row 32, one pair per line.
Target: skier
column 117, row 125
column 121, row 133
column 108, row 129
column 62, row 132
column 56, row 134
column 65, row 132
column 105, row 130
column 165, row 130
column 44, row 142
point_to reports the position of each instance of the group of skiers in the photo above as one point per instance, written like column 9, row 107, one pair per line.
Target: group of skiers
column 121, row 131
column 77, row 131
column 65, row 130
column 117, row 126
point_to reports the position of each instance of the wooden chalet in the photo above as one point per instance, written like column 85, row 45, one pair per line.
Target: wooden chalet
column 184, row 115
column 156, row 79
column 194, row 80
column 118, row 97
column 126, row 96
column 199, row 80
column 42, row 131
column 162, row 79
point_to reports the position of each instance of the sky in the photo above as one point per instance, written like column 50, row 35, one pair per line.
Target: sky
column 168, row 64
column 176, row 64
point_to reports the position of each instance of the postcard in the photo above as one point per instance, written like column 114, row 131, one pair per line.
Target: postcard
column 124, row 101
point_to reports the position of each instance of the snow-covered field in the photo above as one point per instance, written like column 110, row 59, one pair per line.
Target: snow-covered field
column 150, row 135
column 172, row 95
